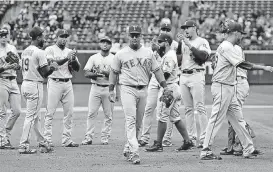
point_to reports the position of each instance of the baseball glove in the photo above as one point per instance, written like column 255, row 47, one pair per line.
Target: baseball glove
column 167, row 98
column 12, row 58
column 73, row 64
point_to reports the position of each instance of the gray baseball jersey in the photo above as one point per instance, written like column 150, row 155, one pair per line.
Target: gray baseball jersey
column 134, row 66
column 32, row 59
column 187, row 62
column 227, row 59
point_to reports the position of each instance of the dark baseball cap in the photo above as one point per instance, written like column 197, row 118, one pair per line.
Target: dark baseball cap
column 4, row 32
column 135, row 29
column 165, row 38
column 233, row 27
column 106, row 39
column 62, row 32
column 166, row 26
column 189, row 23
column 36, row 31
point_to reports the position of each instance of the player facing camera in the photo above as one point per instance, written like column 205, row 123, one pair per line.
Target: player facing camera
column 4, row 36
column 164, row 40
column 190, row 28
column 105, row 44
column 62, row 38
column 134, row 37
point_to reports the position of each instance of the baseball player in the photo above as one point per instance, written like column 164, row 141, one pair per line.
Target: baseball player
column 34, row 69
column 133, row 65
column 225, row 102
column 242, row 91
column 97, row 69
column 60, row 88
column 170, row 68
column 9, row 90
column 152, row 98
column 195, row 51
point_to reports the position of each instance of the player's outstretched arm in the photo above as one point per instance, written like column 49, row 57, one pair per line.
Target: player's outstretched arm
column 251, row 66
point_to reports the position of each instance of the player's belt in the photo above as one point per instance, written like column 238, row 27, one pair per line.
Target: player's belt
column 61, row 80
column 8, row 77
column 139, row 87
column 100, row 85
column 32, row 80
column 192, row 71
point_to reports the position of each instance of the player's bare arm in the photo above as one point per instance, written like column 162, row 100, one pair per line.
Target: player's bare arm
column 160, row 78
column 251, row 66
column 179, row 53
column 48, row 70
column 113, row 78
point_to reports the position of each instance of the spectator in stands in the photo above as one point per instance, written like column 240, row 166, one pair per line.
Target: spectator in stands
column 166, row 18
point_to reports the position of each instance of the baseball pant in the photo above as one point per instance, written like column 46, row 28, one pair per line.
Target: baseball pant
column 242, row 91
column 133, row 101
column 99, row 96
column 9, row 93
column 225, row 104
column 152, row 99
column 59, row 91
column 193, row 95
column 33, row 94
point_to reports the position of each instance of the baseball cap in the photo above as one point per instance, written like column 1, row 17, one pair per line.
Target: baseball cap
column 35, row 31
column 62, row 32
column 165, row 37
column 4, row 32
column 233, row 27
column 166, row 26
column 134, row 29
column 189, row 23
column 106, row 39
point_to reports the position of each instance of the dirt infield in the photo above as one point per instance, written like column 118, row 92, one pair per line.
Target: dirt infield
column 109, row 157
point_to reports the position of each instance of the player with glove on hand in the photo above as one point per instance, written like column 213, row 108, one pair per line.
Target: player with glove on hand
column 9, row 90
column 60, row 88
column 168, row 107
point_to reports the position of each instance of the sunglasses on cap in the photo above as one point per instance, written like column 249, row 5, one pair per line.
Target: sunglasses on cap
column 3, row 36
column 160, row 41
column 134, row 35
column 63, row 36
column 166, row 29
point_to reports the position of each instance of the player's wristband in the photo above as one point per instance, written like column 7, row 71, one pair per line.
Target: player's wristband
column 111, row 87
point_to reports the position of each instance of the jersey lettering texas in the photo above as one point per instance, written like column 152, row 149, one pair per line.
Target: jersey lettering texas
column 145, row 62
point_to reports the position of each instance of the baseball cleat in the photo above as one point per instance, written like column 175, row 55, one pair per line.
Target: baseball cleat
column 104, row 143
column 87, row 142
column 225, row 151
column 156, row 147
column 127, row 155
column 187, row 145
column 253, row 154
column 141, row 143
column 7, row 146
column 27, row 151
column 200, row 146
column 210, row 157
column 45, row 147
column 72, row 145
column 166, row 143
column 134, row 158
column 238, row 153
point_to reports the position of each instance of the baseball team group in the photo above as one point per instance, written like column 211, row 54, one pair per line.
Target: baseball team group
column 147, row 81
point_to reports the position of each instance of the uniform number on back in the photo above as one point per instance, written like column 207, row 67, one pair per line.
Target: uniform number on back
column 25, row 64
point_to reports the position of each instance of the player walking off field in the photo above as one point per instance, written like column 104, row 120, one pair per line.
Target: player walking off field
column 97, row 69
column 195, row 51
column 164, row 114
column 133, row 65
column 223, row 88
column 9, row 90
column 34, row 69
column 59, row 87
column 152, row 98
